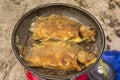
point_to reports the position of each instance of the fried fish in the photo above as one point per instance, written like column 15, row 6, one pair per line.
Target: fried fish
column 58, row 47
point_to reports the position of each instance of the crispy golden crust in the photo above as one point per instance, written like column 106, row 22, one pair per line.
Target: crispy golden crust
column 58, row 56
column 57, row 27
column 58, row 48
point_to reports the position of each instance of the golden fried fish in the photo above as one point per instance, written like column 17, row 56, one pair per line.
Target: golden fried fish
column 53, row 55
column 58, row 47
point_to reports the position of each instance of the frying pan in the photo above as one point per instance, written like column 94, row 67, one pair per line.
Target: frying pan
column 23, row 25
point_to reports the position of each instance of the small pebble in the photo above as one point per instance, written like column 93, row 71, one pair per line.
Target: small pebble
column 108, row 47
column 117, row 32
column 108, row 39
column 4, row 65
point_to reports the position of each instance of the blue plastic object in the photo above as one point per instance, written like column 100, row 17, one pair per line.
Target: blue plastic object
column 113, row 57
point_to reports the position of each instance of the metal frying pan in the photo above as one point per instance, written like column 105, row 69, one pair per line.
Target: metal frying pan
column 23, row 25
